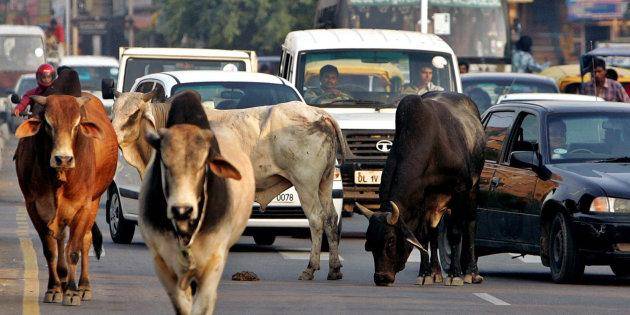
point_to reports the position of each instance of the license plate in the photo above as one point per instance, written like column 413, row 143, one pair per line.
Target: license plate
column 367, row 177
column 285, row 198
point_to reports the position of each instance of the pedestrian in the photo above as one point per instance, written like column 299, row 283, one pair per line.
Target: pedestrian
column 601, row 86
column 45, row 76
column 464, row 67
column 522, row 59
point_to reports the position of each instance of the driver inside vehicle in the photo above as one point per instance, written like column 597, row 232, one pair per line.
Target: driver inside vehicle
column 328, row 91
column 557, row 139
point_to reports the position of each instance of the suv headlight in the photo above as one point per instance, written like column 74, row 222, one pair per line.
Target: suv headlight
column 607, row 204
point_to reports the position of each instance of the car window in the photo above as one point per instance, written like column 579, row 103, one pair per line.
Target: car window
column 90, row 77
column 489, row 90
column 238, row 95
column 160, row 95
column 144, row 87
column 525, row 135
column 25, row 85
column 497, row 130
column 588, row 136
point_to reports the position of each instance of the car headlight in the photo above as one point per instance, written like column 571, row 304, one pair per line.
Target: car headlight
column 607, row 204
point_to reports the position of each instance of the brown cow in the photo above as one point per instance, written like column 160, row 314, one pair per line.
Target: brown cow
column 62, row 171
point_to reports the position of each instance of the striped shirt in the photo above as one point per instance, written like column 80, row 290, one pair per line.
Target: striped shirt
column 612, row 91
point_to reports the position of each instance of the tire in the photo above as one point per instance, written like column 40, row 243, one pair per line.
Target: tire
column 564, row 262
column 444, row 246
column 325, row 246
column 120, row 229
column 621, row 270
column 264, row 239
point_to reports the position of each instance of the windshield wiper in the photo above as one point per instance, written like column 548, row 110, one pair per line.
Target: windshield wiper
column 622, row 159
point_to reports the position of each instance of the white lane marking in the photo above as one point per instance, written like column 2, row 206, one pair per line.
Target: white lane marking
column 528, row 259
column 30, row 295
column 303, row 256
column 491, row 299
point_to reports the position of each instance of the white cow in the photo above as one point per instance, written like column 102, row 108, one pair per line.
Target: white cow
column 289, row 144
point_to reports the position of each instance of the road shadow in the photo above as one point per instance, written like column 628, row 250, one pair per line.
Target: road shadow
column 545, row 277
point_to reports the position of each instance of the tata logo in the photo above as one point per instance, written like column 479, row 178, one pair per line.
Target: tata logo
column 384, row 145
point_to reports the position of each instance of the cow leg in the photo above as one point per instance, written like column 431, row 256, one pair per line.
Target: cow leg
column 469, row 258
column 454, row 238
column 85, row 289
column 62, row 265
column 54, row 292
column 81, row 224
column 313, row 212
column 179, row 298
column 205, row 298
column 436, row 270
column 330, row 226
column 424, row 274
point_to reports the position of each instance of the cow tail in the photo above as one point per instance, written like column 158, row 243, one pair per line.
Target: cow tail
column 97, row 241
column 342, row 145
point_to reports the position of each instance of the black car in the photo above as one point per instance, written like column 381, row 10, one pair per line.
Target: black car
column 556, row 183
column 486, row 88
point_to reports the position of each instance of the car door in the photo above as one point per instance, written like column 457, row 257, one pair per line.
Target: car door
column 490, row 220
column 514, row 186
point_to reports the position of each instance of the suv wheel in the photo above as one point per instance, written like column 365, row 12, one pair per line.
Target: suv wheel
column 564, row 261
column 620, row 270
column 120, row 229
column 264, row 239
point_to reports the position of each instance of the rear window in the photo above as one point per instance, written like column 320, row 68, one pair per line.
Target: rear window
column 486, row 92
column 239, row 95
column 138, row 67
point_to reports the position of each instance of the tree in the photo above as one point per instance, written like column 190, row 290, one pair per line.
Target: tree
column 259, row 25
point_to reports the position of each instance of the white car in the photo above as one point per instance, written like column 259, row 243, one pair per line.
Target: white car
column 547, row 97
column 220, row 90
column 91, row 70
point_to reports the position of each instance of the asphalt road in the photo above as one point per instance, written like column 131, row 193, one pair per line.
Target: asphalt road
column 124, row 281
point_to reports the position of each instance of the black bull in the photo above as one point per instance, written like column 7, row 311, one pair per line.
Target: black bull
column 433, row 168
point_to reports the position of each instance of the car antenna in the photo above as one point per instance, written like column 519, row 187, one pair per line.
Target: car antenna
column 507, row 89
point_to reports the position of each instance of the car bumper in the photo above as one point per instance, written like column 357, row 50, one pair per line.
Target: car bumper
column 366, row 194
column 603, row 239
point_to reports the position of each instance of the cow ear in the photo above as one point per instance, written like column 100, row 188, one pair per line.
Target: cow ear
column 148, row 96
column 28, row 128
column 41, row 100
column 222, row 168
column 91, row 130
column 411, row 239
column 82, row 100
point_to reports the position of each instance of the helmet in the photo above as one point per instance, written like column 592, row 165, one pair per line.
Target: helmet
column 45, row 70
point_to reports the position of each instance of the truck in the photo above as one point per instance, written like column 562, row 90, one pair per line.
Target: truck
column 374, row 69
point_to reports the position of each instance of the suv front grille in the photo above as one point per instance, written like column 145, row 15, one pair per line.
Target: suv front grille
column 363, row 143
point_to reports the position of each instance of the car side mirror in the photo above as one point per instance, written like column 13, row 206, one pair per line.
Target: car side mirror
column 524, row 159
column 15, row 99
column 108, row 88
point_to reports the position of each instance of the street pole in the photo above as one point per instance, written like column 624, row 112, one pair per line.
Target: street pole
column 67, row 27
column 424, row 16
column 130, row 12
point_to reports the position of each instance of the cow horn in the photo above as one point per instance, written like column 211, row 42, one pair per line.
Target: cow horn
column 41, row 100
column 365, row 211
column 392, row 217
column 149, row 95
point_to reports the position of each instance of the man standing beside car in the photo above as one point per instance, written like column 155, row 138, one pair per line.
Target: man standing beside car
column 609, row 90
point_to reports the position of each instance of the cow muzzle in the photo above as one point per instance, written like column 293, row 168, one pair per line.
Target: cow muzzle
column 62, row 161
column 384, row 279
column 181, row 212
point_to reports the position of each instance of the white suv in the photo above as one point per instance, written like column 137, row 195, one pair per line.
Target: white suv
column 284, row 216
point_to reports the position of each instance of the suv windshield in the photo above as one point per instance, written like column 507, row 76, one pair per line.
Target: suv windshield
column 24, row 85
column 367, row 77
column 138, row 67
column 91, row 77
column 21, row 53
column 486, row 91
column 588, row 137
column 238, row 95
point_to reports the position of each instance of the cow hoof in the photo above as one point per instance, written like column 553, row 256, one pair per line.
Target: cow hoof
column 437, row 278
column 72, row 298
column 426, row 280
column 307, row 275
column 86, row 294
column 473, row 278
column 335, row 275
column 454, row 281
column 53, row 297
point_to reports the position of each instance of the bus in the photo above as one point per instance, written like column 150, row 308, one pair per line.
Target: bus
column 477, row 30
